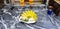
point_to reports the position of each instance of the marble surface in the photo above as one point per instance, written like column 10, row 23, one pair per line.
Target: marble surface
column 9, row 19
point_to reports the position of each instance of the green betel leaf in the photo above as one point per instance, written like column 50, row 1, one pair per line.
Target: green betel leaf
column 26, row 20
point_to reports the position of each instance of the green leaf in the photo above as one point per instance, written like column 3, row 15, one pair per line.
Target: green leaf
column 26, row 20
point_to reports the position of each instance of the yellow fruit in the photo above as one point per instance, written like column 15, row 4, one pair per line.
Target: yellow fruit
column 21, row 2
column 29, row 14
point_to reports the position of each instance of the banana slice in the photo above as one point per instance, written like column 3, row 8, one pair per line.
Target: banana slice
column 28, row 17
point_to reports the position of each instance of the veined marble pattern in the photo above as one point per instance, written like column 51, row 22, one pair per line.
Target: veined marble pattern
column 9, row 19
